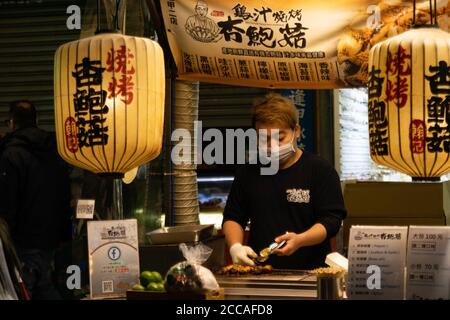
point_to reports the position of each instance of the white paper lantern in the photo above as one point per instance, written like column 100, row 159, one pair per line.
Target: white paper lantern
column 109, row 102
column 409, row 103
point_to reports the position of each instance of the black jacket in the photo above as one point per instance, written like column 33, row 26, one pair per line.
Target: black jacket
column 34, row 189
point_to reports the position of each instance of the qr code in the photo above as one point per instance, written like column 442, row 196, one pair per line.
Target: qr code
column 107, row 286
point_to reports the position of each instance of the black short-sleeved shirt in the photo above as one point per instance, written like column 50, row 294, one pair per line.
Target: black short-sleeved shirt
column 294, row 199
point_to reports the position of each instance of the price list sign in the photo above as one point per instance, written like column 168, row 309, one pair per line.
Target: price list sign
column 377, row 258
column 428, row 263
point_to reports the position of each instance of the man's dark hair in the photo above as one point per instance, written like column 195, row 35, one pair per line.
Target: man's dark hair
column 23, row 113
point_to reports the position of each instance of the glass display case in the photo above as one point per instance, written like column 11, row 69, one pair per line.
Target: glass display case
column 212, row 196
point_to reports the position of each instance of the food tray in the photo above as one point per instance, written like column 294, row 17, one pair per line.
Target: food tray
column 180, row 234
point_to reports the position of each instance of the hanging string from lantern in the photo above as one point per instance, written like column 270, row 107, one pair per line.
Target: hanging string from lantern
column 432, row 12
column 115, row 19
column 116, row 16
column 435, row 13
column 98, row 17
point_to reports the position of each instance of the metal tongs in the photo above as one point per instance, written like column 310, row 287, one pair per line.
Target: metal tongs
column 266, row 252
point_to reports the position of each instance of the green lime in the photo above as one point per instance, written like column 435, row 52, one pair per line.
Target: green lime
column 156, row 277
column 146, row 278
column 153, row 286
column 138, row 287
column 161, row 286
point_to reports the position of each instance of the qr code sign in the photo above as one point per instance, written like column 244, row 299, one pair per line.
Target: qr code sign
column 108, row 286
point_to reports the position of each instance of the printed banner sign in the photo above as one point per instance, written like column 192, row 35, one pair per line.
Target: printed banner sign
column 306, row 44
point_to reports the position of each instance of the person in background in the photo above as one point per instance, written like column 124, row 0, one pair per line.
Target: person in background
column 301, row 203
column 34, row 197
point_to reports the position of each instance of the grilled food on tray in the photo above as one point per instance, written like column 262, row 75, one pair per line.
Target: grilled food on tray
column 237, row 269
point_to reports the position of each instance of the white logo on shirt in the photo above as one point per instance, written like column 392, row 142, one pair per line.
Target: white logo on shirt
column 297, row 195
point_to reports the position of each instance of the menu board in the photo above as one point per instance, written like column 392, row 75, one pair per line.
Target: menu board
column 113, row 257
column 428, row 263
column 377, row 257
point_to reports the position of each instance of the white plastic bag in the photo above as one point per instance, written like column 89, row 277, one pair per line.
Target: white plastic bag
column 190, row 275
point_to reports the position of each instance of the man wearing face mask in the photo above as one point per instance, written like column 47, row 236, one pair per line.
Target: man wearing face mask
column 301, row 203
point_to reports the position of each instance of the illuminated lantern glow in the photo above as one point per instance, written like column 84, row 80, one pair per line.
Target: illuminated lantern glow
column 109, row 102
column 409, row 103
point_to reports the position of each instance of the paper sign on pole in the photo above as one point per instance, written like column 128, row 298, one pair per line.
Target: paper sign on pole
column 85, row 209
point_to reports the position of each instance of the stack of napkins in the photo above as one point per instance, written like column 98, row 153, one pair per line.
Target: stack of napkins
column 336, row 260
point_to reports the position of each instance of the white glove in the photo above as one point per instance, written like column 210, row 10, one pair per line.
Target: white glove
column 240, row 254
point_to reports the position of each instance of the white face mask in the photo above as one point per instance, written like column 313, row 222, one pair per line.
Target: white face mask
column 282, row 152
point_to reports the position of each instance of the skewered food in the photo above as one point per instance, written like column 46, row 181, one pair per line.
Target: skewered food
column 328, row 271
column 237, row 269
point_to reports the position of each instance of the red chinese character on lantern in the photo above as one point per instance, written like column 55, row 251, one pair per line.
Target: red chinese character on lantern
column 397, row 65
column 397, row 91
column 118, row 61
column 417, row 136
column 122, row 88
column 71, row 134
